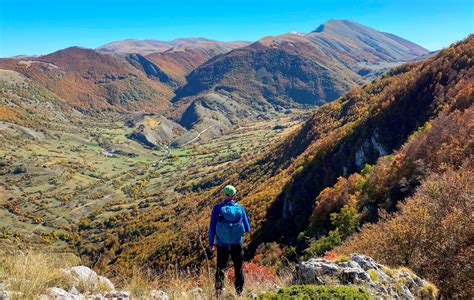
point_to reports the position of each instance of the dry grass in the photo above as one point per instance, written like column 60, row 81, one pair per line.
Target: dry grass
column 30, row 274
column 140, row 283
column 429, row 291
column 179, row 284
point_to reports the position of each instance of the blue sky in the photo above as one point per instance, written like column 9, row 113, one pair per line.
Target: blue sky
column 40, row 26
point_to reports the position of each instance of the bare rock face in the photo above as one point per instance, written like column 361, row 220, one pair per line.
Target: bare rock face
column 361, row 270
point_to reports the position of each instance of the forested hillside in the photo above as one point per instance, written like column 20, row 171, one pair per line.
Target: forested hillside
column 92, row 82
column 425, row 110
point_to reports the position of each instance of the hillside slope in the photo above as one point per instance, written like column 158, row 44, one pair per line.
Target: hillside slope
column 292, row 70
column 92, row 81
column 178, row 63
column 280, row 189
column 370, row 124
column 360, row 127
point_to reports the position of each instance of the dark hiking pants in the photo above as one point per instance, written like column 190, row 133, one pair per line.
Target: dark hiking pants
column 236, row 252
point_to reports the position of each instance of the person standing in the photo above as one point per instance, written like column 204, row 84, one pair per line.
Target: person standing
column 228, row 224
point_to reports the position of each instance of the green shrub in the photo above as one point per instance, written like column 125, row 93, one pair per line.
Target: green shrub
column 317, row 292
column 324, row 244
column 346, row 220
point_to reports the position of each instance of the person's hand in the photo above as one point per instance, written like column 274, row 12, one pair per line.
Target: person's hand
column 212, row 248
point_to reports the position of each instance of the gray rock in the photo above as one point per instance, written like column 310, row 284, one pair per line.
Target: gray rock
column 410, row 282
column 348, row 264
column 383, row 277
column 196, row 294
column 82, row 274
column 405, row 293
column 4, row 295
column 365, row 262
column 97, row 296
column 61, row 294
column 156, row 294
column 354, row 275
column 74, row 290
column 420, row 282
column 313, row 270
column 123, row 295
column 105, row 282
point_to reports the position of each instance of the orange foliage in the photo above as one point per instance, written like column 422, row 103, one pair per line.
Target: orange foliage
column 10, row 114
column 253, row 273
column 330, row 255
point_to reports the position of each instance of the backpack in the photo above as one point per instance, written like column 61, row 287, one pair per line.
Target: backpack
column 230, row 225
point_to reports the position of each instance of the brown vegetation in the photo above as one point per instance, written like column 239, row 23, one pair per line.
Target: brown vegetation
column 431, row 233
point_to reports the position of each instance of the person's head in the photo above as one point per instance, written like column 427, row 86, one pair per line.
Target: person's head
column 230, row 191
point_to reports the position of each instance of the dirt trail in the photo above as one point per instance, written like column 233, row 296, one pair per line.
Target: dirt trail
column 197, row 136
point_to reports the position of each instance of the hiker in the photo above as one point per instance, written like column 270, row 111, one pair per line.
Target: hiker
column 228, row 223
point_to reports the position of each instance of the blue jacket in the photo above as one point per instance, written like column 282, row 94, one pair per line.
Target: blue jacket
column 215, row 217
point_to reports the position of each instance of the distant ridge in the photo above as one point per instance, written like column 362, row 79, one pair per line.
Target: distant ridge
column 145, row 47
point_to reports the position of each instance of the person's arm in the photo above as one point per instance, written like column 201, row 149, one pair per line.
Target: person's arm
column 212, row 225
column 246, row 221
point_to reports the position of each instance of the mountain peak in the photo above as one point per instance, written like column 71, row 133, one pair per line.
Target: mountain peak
column 332, row 23
column 339, row 24
column 363, row 37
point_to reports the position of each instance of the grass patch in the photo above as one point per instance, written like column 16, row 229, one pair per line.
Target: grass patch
column 32, row 273
column 389, row 272
column 373, row 274
column 317, row 292
column 402, row 280
column 343, row 258
column 139, row 284
column 408, row 271
column 429, row 291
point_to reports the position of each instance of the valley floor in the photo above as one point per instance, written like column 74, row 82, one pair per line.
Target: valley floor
column 53, row 181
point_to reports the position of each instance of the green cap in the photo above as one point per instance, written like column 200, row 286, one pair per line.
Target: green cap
column 229, row 190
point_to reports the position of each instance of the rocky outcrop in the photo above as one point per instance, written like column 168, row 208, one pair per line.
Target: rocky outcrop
column 360, row 270
column 153, row 131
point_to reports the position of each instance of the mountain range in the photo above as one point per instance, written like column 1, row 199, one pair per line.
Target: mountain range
column 290, row 70
column 208, row 86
